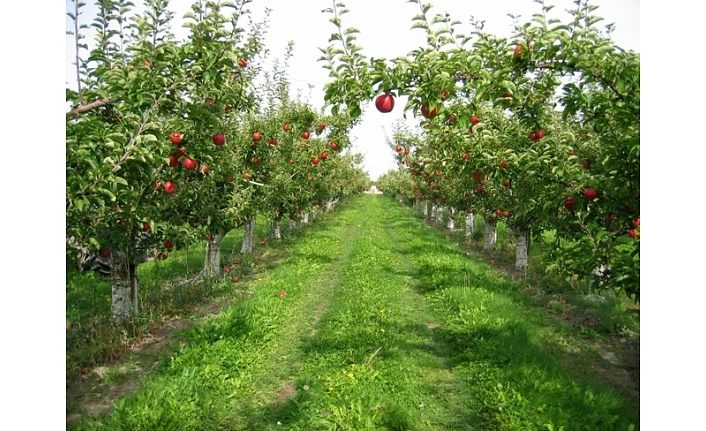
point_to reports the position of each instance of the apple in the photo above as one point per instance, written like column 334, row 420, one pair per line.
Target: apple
column 272, row 141
column 477, row 176
column 247, row 176
column 256, row 160
column 506, row 184
column 323, row 155
column 243, row 63
column 173, row 160
column 533, row 136
column 205, row 169
column 475, row 120
column 169, row 244
column 590, row 193
column 305, row 134
column 427, row 113
column 636, row 223
column 180, row 152
column 229, row 178
column 633, row 233
column 333, row 145
column 385, row 102
column 256, row 136
column 399, row 149
column 315, row 161
column 146, row 226
column 540, row 134
column 517, row 52
column 437, row 173
column 219, row 138
column 569, row 203
column 479, row 190
column 210, row 101
column 188, row 163
column 443, row 94
column 169, row 187
column 322, row 126
column 175, row 138
column 503, row 164
column 465, row 155
column 286, row 127
column 586, row 163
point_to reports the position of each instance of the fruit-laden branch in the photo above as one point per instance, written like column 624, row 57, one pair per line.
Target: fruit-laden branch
column 89, row 106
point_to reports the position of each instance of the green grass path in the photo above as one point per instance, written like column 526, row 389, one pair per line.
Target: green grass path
column 385, row 325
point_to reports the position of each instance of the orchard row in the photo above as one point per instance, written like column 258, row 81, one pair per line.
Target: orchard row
column 172, row 142
column 541, row 129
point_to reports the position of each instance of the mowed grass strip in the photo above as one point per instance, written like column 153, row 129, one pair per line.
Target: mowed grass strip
column 237, row 356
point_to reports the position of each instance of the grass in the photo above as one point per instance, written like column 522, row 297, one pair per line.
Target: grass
column 385, row 325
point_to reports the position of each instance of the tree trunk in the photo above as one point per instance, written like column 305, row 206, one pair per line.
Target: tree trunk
column 305, row 218
column 123, row 283
column 521, row 259
column 292, row 225
column 329, row 205
column 132, row 268
column 439, row 214
column 469, row 223
column 491, row 234
column 276, row 234
column 451, row 224
column 248, row 237
column 212, row 262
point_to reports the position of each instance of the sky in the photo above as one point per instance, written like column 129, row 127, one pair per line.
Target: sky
column 384, row 32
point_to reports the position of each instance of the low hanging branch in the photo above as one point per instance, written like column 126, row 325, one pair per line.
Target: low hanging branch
column 88, row 106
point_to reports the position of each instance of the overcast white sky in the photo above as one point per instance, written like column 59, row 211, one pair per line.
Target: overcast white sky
column 385, row 32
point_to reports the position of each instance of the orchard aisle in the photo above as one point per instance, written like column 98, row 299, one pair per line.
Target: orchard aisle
column 375, row 321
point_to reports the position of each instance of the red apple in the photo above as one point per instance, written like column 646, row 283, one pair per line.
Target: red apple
column 256, row 160
column 540, row 134
column 385, row 102
column 180, row 152
column 437, row 173
column 243, row 63
column 517, row 51
column 590, row 193
column 272, row 141
column 399, row 149
column 146, row 226
column 633, row 233
column 477, row 176
column 465, row 155
column 169, row 187
column 427, row 113
column 188, row 163
column 210, row 101
column 256, row 136
column 229, row 178
column 443, row 94
column 169, row 244
column 315, row 161
column 503, row 164
column 475, row 120
column 286, row 127
column 219, row 138
column 333, row 145
column 175, row 138
column 322, row 126
column 323, row 155
column 305, row 134
column 247, row 176
column 205, row 169
column 506, row 184
column 569, row 203
column 586, row 164
column 173, row 160
column 636, row 222
column 533, row 136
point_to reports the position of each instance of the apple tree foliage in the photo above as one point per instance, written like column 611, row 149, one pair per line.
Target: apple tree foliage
column 515, row 127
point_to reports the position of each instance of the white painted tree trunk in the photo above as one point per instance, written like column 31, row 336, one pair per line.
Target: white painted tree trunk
column 491, row 235
column 305, row 218
column 329, row 205
column 451, row 224
column 439, row 214
column 123, row 288
column 276, row 234
column 212, row 262
column 292, row 225
column 521, row 259
column 248, row 237
column 469, row 223
column 426, row 209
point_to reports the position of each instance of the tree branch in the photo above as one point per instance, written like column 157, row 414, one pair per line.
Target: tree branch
column 88, row 107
